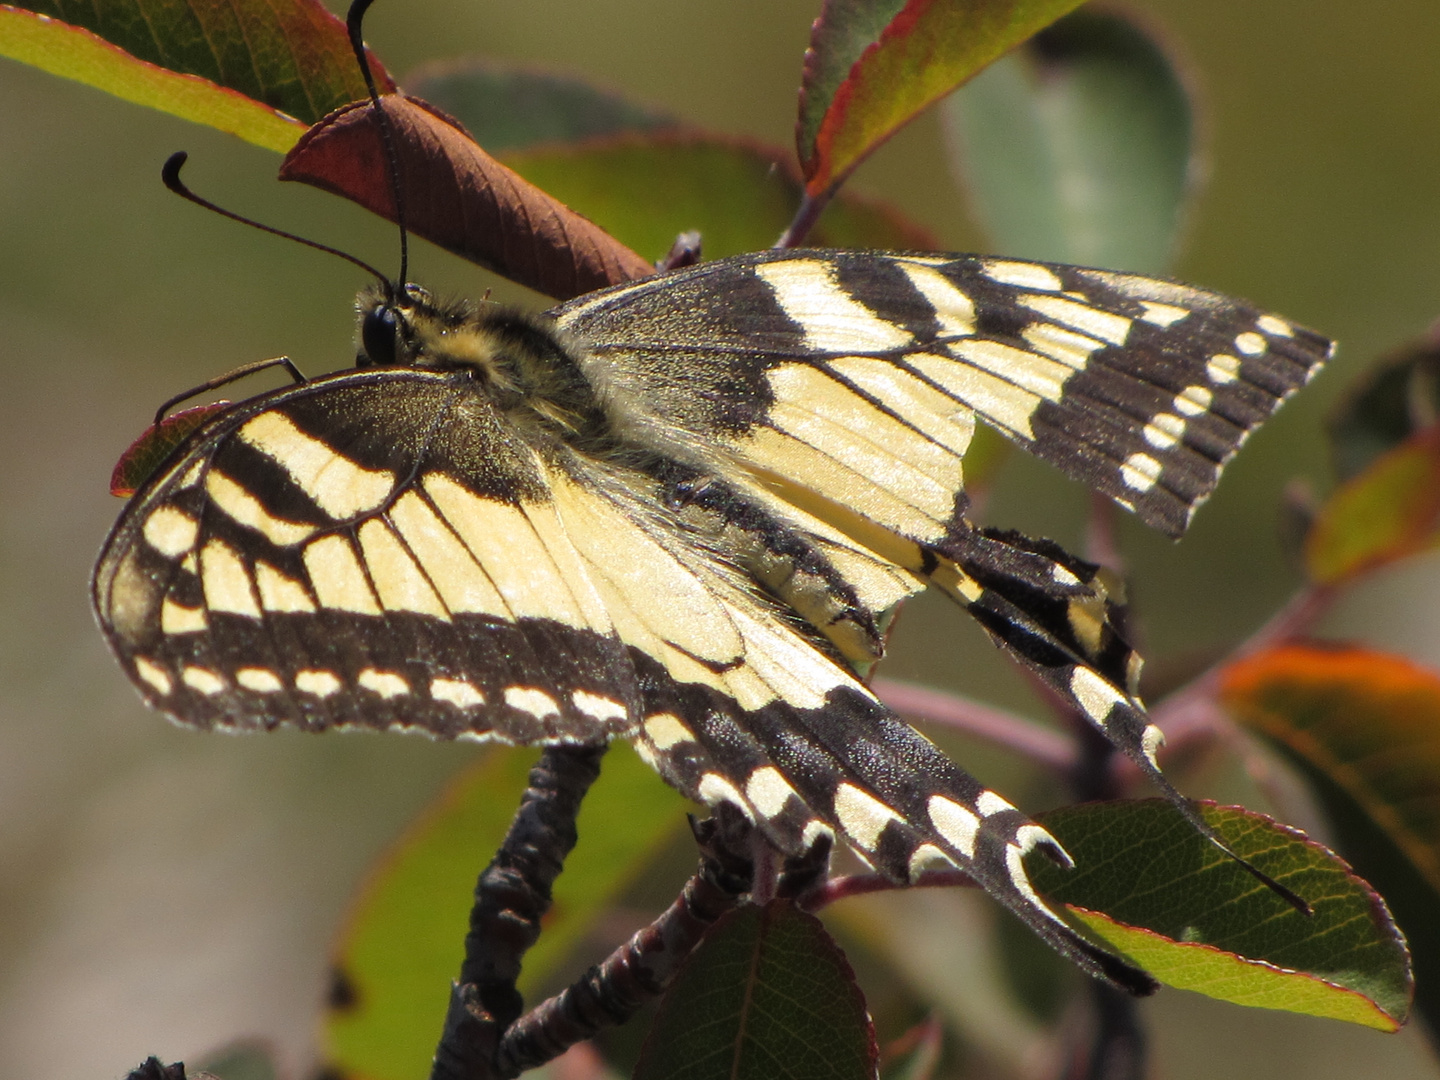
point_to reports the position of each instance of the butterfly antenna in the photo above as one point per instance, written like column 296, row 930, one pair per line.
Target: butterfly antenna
column 353, row 20
column 170, row 174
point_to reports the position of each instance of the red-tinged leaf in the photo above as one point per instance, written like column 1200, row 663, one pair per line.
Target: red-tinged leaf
column 1364, row 729
column 145, row 454
column 459, row 197
column 1369, row 721
column 1153, row 888
column 768, row 995
column 76, row 53
column 872, row 66
column 1388, row 512
column 291, row 55
column 1396, row 397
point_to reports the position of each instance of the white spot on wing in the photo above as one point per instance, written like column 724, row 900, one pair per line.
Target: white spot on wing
column 260, row 680
column 831, row 319
column 153, row 674
column 1164, row 431
column 333, row 482
column 814, row 830
column 1140, row 471
column 989, row 803
column 318, row 682
column 1151, row 740
column 768, row 790
column 862, row 816
column 533, row 701
column 387, row 684
column 957, row 824
column 715, row 789
column 202, row 680
column 1275, row 327
column 599, row 708
column 926, row 856
column 1193, row 400
column 456, row 692
column 1162, row 314
column 1251, row 343
column 170, row 531
column 666, row 730
column 1095, row 695
column 1021, row 274
column 1223, row 368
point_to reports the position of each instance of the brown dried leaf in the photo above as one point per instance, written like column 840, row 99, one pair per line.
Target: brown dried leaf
column 461, row 198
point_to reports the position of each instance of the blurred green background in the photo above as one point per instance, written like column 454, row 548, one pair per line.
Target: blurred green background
column 163, row 892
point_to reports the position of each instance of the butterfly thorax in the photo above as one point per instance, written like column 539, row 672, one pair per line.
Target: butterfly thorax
column 514, row 358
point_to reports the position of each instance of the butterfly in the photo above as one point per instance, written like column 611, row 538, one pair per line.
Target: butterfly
column 681, row 511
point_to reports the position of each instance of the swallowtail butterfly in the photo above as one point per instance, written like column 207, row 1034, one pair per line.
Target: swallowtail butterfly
column 680, row 511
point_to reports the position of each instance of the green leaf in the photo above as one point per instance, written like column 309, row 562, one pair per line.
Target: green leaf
column 242, row 1061
column 1077, row 147
column 292, row 55
column 1364, row 727
column 646, row 190
column 1388, row 512
column 872, row 66
column 75, row 53
column 768, row 995
column 404, row 941
column 1397, row 397
column 509, row 108
column 1152, row 888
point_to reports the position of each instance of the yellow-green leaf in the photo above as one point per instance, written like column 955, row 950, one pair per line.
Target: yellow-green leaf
column 1156, row 890
column 405, row 936
column 1388, row 512
column 76, row 53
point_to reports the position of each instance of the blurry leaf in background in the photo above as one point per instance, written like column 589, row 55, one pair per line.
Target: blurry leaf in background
column 766, row 993
column 505, row 106
column 1364, row 727
column 75, row 53
column 1397, row 397
column 405, row 938
column 1158, row 891
column 873, row 65
column 458, row 196
column 242, row 1061
column 293, row 56
column 1078, row 147
column 1389, row 511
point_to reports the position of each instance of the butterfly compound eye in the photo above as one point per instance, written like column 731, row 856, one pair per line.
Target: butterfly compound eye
column 379, row 335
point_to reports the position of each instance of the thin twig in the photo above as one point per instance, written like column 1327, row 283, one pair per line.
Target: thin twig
column 848, row 885
column 511, row 896
column 640, row 970
column 1054, row 749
